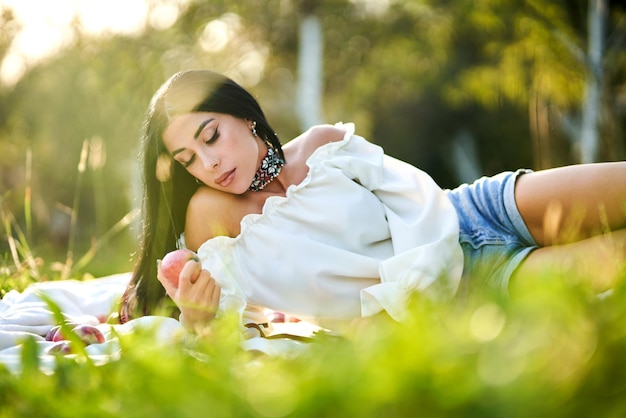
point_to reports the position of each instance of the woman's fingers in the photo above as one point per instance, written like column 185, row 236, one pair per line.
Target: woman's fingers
column 196, row 287
column 190, row 272
column 197, row 294
column 169, row 288
column 215, row 295
column 198, row 301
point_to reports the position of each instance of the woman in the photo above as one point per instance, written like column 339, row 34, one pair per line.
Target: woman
column 328, row 228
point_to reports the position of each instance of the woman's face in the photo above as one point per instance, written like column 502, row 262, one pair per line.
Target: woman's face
column 217, row 149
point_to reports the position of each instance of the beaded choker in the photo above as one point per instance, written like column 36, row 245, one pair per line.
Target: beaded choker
column 268, row 170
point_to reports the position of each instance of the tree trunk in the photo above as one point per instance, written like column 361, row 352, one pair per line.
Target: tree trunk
column 466, row 165
column 589, row 135
column 310, row 58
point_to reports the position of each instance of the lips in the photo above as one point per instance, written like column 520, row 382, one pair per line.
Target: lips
column 225, row 178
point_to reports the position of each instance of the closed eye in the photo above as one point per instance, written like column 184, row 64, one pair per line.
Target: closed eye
column 190, row 161
column 209, row 141
column 178, row 156
column 214, row 138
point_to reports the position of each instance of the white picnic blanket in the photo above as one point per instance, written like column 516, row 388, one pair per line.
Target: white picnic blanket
column 27, row 315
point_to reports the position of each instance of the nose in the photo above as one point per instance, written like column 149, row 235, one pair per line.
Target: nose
column 210, row 162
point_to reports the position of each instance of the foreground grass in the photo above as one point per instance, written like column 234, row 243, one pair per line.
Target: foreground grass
column 551, row 350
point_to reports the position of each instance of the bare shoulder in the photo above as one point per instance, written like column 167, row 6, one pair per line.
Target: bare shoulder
column 316, row 136
column 322, row 134
column 211, row 213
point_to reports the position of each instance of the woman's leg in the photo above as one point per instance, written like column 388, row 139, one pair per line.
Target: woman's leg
column 577, row 214
column 599, row 262
column 567, row 204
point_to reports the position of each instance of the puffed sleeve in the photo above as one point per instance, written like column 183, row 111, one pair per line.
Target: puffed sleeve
column 423, row 224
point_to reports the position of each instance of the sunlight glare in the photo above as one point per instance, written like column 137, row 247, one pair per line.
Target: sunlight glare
column 12, row 69
column 217, row 33
column 163, row 16
column 46, row 26
column 215, row 36
column 116, row 16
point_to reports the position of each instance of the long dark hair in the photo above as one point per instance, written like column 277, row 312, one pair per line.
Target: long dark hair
column 167, row 186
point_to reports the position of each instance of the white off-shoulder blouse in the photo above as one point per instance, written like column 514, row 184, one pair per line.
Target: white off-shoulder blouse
column 359, row 234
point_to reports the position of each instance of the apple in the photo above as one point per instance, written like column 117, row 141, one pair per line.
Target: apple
column 57, row 334
column 276, row 316
column 88, row 334
column 61, row 347
column 173, row 263
column 51, row 335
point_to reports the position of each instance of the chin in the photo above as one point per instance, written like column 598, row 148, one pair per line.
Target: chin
column 237, row 190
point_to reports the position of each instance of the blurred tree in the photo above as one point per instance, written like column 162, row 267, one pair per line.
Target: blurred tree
column 496, row 73
column 9, row 29
column 533, row 54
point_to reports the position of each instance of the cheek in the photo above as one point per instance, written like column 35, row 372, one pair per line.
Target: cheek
column 252, row 158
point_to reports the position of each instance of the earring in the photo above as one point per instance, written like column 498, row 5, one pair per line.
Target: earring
column 198, row 181
column 253, row 129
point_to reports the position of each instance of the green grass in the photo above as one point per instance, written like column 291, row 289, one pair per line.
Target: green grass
column 21, row 264
column 551, row 350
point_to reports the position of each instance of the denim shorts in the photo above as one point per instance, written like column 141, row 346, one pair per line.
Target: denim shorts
column 493, row 235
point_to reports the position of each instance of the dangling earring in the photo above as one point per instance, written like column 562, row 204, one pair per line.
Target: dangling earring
column 198, row 181
column 253, row 129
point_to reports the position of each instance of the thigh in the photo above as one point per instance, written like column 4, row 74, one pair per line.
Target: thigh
column 599, row 262
column 570, row 203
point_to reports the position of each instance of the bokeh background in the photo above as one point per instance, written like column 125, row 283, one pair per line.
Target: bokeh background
column 460, row 88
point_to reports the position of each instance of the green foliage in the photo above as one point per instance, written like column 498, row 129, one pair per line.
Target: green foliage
column 552, row 349
column 23, row 264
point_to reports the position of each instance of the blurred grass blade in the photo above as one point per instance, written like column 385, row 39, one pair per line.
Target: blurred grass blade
column 105, row 238
column 28, row 194
column 18, row 247
column 29, row 355
column 69, row 260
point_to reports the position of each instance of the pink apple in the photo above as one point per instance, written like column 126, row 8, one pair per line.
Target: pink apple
column 173, row 263
column 89, row 334
column 56, row 334
column 53, row 331
column 276, row 316
column 61, row 347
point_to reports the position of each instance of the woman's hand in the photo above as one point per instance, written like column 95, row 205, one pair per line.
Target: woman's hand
column 197, row 295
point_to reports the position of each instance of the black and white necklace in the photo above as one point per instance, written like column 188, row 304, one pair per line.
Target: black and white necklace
column 268, row 170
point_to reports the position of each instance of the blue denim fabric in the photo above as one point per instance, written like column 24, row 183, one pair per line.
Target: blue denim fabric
column 493, row 235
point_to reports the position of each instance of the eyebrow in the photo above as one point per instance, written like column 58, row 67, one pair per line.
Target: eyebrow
column 195, row 135
column 201, row 127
